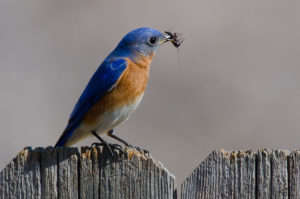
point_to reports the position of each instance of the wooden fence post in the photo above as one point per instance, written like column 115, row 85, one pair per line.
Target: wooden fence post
column 90, row 173
column 245, row 174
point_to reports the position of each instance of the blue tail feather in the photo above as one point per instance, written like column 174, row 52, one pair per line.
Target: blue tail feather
column 66, row 134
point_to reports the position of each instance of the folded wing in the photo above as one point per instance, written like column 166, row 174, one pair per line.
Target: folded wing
column 102, row 82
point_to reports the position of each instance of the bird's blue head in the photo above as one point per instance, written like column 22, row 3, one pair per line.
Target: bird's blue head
column 141, row 41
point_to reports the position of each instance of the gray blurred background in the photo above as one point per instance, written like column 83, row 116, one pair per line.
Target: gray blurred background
column 237, row 86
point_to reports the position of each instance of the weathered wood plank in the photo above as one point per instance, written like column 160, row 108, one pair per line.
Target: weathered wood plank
column 217, row 166
column 96, row 172
column 222, row 175
column 134, row 175
column 49, row 161
column 86, row 174
column 241, row 175
column 272, row 174
column 29, row 168
column 92, row 173
column 294, row 173
column 21, row 177
column 9, row 179
column 206, row 180
column 68, row 173
column 279, row 171
column 263, row 173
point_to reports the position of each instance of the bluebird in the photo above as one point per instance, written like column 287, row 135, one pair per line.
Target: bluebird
column 116, row 89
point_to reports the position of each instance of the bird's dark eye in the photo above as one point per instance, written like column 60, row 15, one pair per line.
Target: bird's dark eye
column 152, row 40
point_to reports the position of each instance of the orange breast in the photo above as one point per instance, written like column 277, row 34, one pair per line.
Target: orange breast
column 128, row 88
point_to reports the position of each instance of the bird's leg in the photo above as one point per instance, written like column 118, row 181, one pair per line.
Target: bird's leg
column 103, row 142
column 110, row 134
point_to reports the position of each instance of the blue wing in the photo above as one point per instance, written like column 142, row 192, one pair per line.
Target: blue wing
column 102, row 81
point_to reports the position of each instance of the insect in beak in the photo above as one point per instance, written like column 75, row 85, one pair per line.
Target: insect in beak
column 175, row 38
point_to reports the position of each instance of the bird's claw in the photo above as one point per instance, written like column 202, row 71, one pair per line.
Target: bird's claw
column 110, row 147
column 118, row 147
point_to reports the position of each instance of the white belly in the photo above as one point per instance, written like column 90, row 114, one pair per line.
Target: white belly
column 113, row 118
column 106, row 122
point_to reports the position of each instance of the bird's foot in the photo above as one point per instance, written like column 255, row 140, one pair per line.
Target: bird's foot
column 110, row 147
column 117, row 147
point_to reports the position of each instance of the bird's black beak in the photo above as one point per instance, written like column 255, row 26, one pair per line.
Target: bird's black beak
column 165, row 38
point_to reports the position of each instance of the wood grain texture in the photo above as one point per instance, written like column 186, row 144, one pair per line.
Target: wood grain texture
column 94, row 173
column 49, row 170
column 21, row 178
column 294, row 174
column 68, row 173
column 126, row 176
column 245, row 174
column 86, row 174
column 90, row 173
column 272, row 174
